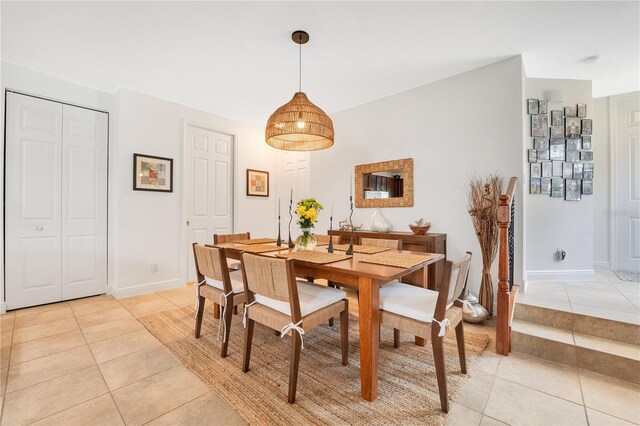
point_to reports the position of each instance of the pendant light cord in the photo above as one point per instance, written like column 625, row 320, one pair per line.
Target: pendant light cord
column 300, row 67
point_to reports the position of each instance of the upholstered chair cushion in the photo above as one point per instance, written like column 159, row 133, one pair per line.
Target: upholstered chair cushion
column 409, row 301
column 312, row 298
column 234, row 264
column 236, row 282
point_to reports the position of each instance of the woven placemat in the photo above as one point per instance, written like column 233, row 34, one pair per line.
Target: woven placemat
column 400, row 260
column 256, row 241
column 260, row 248
column 361, row 249
column 314, row 256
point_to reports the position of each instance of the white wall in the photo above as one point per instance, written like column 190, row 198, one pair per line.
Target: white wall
column 601, row 183
column 553, row 223
column 453, row 129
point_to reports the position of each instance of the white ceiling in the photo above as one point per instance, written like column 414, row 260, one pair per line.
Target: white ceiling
column 237, row 60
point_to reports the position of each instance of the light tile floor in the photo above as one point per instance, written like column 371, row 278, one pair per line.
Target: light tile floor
column 90, row 362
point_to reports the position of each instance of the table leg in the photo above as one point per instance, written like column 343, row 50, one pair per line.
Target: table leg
column 369, row 301
column 425, row 284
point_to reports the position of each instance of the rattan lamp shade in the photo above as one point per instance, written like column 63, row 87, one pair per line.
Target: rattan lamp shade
column 299, row 125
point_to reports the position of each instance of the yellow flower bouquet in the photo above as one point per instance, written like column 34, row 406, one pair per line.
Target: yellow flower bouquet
column 307, row 211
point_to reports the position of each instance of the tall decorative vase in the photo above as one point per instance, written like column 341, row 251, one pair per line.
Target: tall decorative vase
column 380, row 223
column 306, row 241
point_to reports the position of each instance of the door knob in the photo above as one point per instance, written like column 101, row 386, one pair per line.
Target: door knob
column 39, row 228
column 188, row 223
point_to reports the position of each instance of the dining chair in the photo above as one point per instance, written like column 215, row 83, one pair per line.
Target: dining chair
column 230, row 238
column 218, row 285
column 277, row 300
column 381, row 242
column 427, row 313
column 322, row 238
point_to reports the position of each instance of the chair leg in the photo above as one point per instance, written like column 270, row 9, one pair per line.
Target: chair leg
column 344, row 333
column 461, row 352
column 235, row 310
column 332, row 285
column 228, row 313
column 216, row 311
column 441, row 372
column 396, row 338
column 248, row 339
column 201, row 301
column 294, row 363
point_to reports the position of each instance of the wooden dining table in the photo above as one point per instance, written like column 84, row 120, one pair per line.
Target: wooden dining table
column 367, row 278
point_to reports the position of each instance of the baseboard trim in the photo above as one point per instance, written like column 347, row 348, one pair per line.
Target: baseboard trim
column 566, row 275
column 600, row 265
column 3, row 308
column 136, row 290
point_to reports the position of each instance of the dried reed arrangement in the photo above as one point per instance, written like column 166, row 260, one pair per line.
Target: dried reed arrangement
column 484, row 196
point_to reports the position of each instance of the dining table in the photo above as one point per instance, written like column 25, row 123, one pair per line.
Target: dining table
column 367, row 278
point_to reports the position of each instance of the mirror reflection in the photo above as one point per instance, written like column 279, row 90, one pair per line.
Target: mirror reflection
column 383, row 184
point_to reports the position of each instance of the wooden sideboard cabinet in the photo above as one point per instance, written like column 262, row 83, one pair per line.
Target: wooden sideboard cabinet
column 430, row 243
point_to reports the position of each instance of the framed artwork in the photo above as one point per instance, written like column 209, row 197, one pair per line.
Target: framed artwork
column 534, row 186
column 587, row 124
column 587, row 172
column 572, row 127
column 152, row 173
column 545, row 185
column 540, row 125
column 557, row 188
column 543, row 154
column 586, row 155
column 533, row 156
column 542, row 107
column 536, row 170
column 556, row 169
column 577, row 170
column 586, row 142
column 567, row 170
column 546, row 169
column 573, row 156
column 573, row 144
column 573, row 190
column 257, row 183
column 570, row 111
column 581, row 110
column 541, row 143
column 532, row 106
column 556, row 117
column 587, row 187
column 557, row 131
column 556, row 149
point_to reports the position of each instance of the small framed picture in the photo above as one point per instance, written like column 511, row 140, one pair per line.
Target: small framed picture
column 533, row 155
column 532, row 106
column 587, row 124
column 542, row 107
column 556, row 151
column 572, row 190
column 534, row 186
column 570, row 111
column 573, row 156
column 577, row 170
column 567, row 170
column 546, row 169
column 541, row 143
column 557, row 188
column 557, row 132
column 573, row 144
column 545, row 185
column 586, row 155
column 556, row 169
column 556, row 117
column 536, row 170
column 257, row 183
column 540, row 125
column 571, row 127
column 586, row 142
column 543, row 154
column 152, row 173
column 587, row 172
column 587, row 187
column 582, row 110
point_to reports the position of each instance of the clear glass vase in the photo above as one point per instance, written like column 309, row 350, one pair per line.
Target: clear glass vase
column 306, row 241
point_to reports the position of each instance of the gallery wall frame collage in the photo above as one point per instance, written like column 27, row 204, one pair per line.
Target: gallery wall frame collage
column 560, row 160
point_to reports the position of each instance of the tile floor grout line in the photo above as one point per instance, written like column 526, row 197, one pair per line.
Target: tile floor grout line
column 52, row 353
column 4, row 396
column 182, row 405
column 151, row 375
column 68, row 408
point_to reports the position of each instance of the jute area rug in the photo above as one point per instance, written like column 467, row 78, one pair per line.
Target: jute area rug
column 328, row 392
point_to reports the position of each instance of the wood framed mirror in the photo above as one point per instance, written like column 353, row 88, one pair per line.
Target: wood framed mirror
column 385, row 184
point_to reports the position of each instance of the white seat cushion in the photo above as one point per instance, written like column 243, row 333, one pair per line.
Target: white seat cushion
column 312, row 298
column 409, row 301
column 234, row 264
column 236, row 282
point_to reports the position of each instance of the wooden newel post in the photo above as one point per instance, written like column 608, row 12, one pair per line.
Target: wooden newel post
column 503, row 332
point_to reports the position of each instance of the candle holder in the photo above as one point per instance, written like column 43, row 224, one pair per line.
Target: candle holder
column 279, row 242
column 350, row 249
column 330, row 249
column 291, row 245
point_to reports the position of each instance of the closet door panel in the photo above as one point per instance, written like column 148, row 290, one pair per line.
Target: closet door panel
column 84, row 202
column 32, row 201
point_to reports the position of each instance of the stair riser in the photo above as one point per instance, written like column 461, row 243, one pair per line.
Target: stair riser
column 551, row 350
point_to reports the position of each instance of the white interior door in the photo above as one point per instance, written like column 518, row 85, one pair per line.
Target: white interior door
column 84, row 202
column 295, row 176
column 626, row 116
column 32, row 201
column 208, row 187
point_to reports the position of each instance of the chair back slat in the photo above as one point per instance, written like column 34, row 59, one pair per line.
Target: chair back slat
column 381, row 242
column 229, row 238
column 208, row 261
column 458, row 277
column 266, row 276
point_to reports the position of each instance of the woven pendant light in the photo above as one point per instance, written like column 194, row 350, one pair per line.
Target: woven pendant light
column 299, row 125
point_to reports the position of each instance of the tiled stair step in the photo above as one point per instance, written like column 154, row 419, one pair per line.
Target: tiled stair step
column 602, row 355
column 600, row 327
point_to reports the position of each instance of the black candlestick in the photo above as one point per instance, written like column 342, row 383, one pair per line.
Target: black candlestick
column 330, row 249
column 279, row 242
column 350, row 249
column 291, row 245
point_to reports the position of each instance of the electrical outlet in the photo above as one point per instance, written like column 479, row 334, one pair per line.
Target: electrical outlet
column 155, row 267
